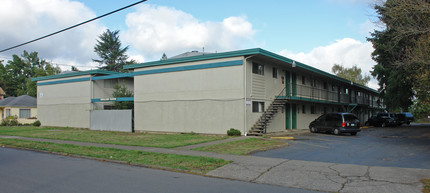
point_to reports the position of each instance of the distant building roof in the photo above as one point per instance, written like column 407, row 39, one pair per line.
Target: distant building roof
column 188, row 54
column 21, row 101
column 2, row 93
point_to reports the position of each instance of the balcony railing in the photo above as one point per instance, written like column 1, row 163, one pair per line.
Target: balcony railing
column 303, row 92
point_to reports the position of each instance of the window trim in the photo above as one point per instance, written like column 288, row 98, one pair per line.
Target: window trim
column 257, row 107
column 275, row 72
column 21, row 113
column 257, row 68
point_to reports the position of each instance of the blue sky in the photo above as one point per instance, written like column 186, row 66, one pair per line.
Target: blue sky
column 319, row 33
column 299, row 26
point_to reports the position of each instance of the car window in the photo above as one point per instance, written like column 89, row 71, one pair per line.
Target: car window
column 349, row 117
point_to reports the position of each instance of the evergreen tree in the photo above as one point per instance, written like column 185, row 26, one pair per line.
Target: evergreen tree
column 108, row 48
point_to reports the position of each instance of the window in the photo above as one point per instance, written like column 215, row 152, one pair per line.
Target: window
column 257, row 68
column 24, row 113
column 325, row 86
column 275, row 73
column 304, row 109
column 325, row 110
column 313, row 110
column 7, row 112
column 313, row 83
column 303, row 80
column 257, row 107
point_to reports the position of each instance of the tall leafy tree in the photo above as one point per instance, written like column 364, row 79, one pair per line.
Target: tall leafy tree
column 108, row 48
column 402, row 52
column 353, row 74
column 17, row 73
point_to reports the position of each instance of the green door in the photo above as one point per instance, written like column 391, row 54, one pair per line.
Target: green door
column 287, row 116
column 294, row 84
column 294, row 116
column 287, row 83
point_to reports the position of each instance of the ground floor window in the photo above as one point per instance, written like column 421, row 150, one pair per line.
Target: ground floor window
column 257, row 107
column 313, row 109
column 7, row 112
column 24, row 113
column 304, row 109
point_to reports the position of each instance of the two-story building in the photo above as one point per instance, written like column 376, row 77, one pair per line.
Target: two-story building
column 252, row 90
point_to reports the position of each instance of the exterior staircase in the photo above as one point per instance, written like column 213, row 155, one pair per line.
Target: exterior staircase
column 259, row 128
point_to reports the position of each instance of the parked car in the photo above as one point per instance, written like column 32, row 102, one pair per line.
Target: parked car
column 382, row 120
column 404, row 118
column 336, row 123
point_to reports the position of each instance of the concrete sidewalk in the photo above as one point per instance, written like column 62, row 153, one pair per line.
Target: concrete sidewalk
column 308, row 175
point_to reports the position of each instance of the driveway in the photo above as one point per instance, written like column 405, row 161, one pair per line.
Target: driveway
column 405, row 146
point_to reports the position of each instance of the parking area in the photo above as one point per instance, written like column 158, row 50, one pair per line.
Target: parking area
column 404, row 146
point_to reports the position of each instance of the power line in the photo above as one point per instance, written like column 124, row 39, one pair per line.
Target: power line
column 43, row 37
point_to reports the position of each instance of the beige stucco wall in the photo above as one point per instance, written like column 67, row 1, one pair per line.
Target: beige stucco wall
column 201, row 101
column 65, row 104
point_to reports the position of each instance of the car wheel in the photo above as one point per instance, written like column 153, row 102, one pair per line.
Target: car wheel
column 313, row 129
column 383, row 124
column 336, row 131
column 354, row 133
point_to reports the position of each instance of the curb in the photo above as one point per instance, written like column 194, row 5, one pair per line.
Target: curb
column 289, row 138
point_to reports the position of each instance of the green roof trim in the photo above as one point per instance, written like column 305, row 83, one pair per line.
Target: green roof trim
column 247, row 52
column 72, row 74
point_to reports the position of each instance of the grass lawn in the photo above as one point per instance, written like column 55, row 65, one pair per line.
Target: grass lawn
column 244, row 147
column 426, row 188
column 194, row 164
column 109, row 137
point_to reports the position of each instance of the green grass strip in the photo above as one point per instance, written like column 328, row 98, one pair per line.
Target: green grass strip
column 244, row 147
column 110, row 137
column 194, row 164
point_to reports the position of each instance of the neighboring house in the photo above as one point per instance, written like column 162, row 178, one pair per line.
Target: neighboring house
column 23, row 107
column 252, row 90
column 2, row 94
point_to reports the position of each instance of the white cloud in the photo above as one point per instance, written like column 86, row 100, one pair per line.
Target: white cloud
column 154, row 30
column 347, row 52
column 25, row 20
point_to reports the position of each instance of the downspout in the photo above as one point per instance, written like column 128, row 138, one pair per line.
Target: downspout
column 245, row 96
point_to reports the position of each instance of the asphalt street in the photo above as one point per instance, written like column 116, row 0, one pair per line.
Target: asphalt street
column 405, row 146
column 28, row 171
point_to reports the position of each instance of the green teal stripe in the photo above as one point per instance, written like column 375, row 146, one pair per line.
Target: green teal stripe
column 156, row 71
column 116, row 99
column 63, row 81
column 193, row 67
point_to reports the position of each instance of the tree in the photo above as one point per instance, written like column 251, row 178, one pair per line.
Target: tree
column 402, row 51
column 17, row 73
column 353, row 74
column 120, row 90
column 108, row 48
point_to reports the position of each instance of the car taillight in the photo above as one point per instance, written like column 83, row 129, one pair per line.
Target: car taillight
column 343, row 124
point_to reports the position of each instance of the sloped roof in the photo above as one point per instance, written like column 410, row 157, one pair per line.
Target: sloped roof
column 21, row 101
column 2, row 92
column 72, row 74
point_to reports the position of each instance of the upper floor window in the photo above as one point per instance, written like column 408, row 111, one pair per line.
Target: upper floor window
column 325, row 85
column 313, row 82
column 275, row 72
column 257, row 68
column 303, row 80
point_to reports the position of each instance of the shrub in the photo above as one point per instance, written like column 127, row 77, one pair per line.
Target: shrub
column 233, row 132
column 10, row 121
column 37, row 123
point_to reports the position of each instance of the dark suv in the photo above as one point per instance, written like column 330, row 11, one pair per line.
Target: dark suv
column 336, row 123
column 382, row 120
column 404, row 118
